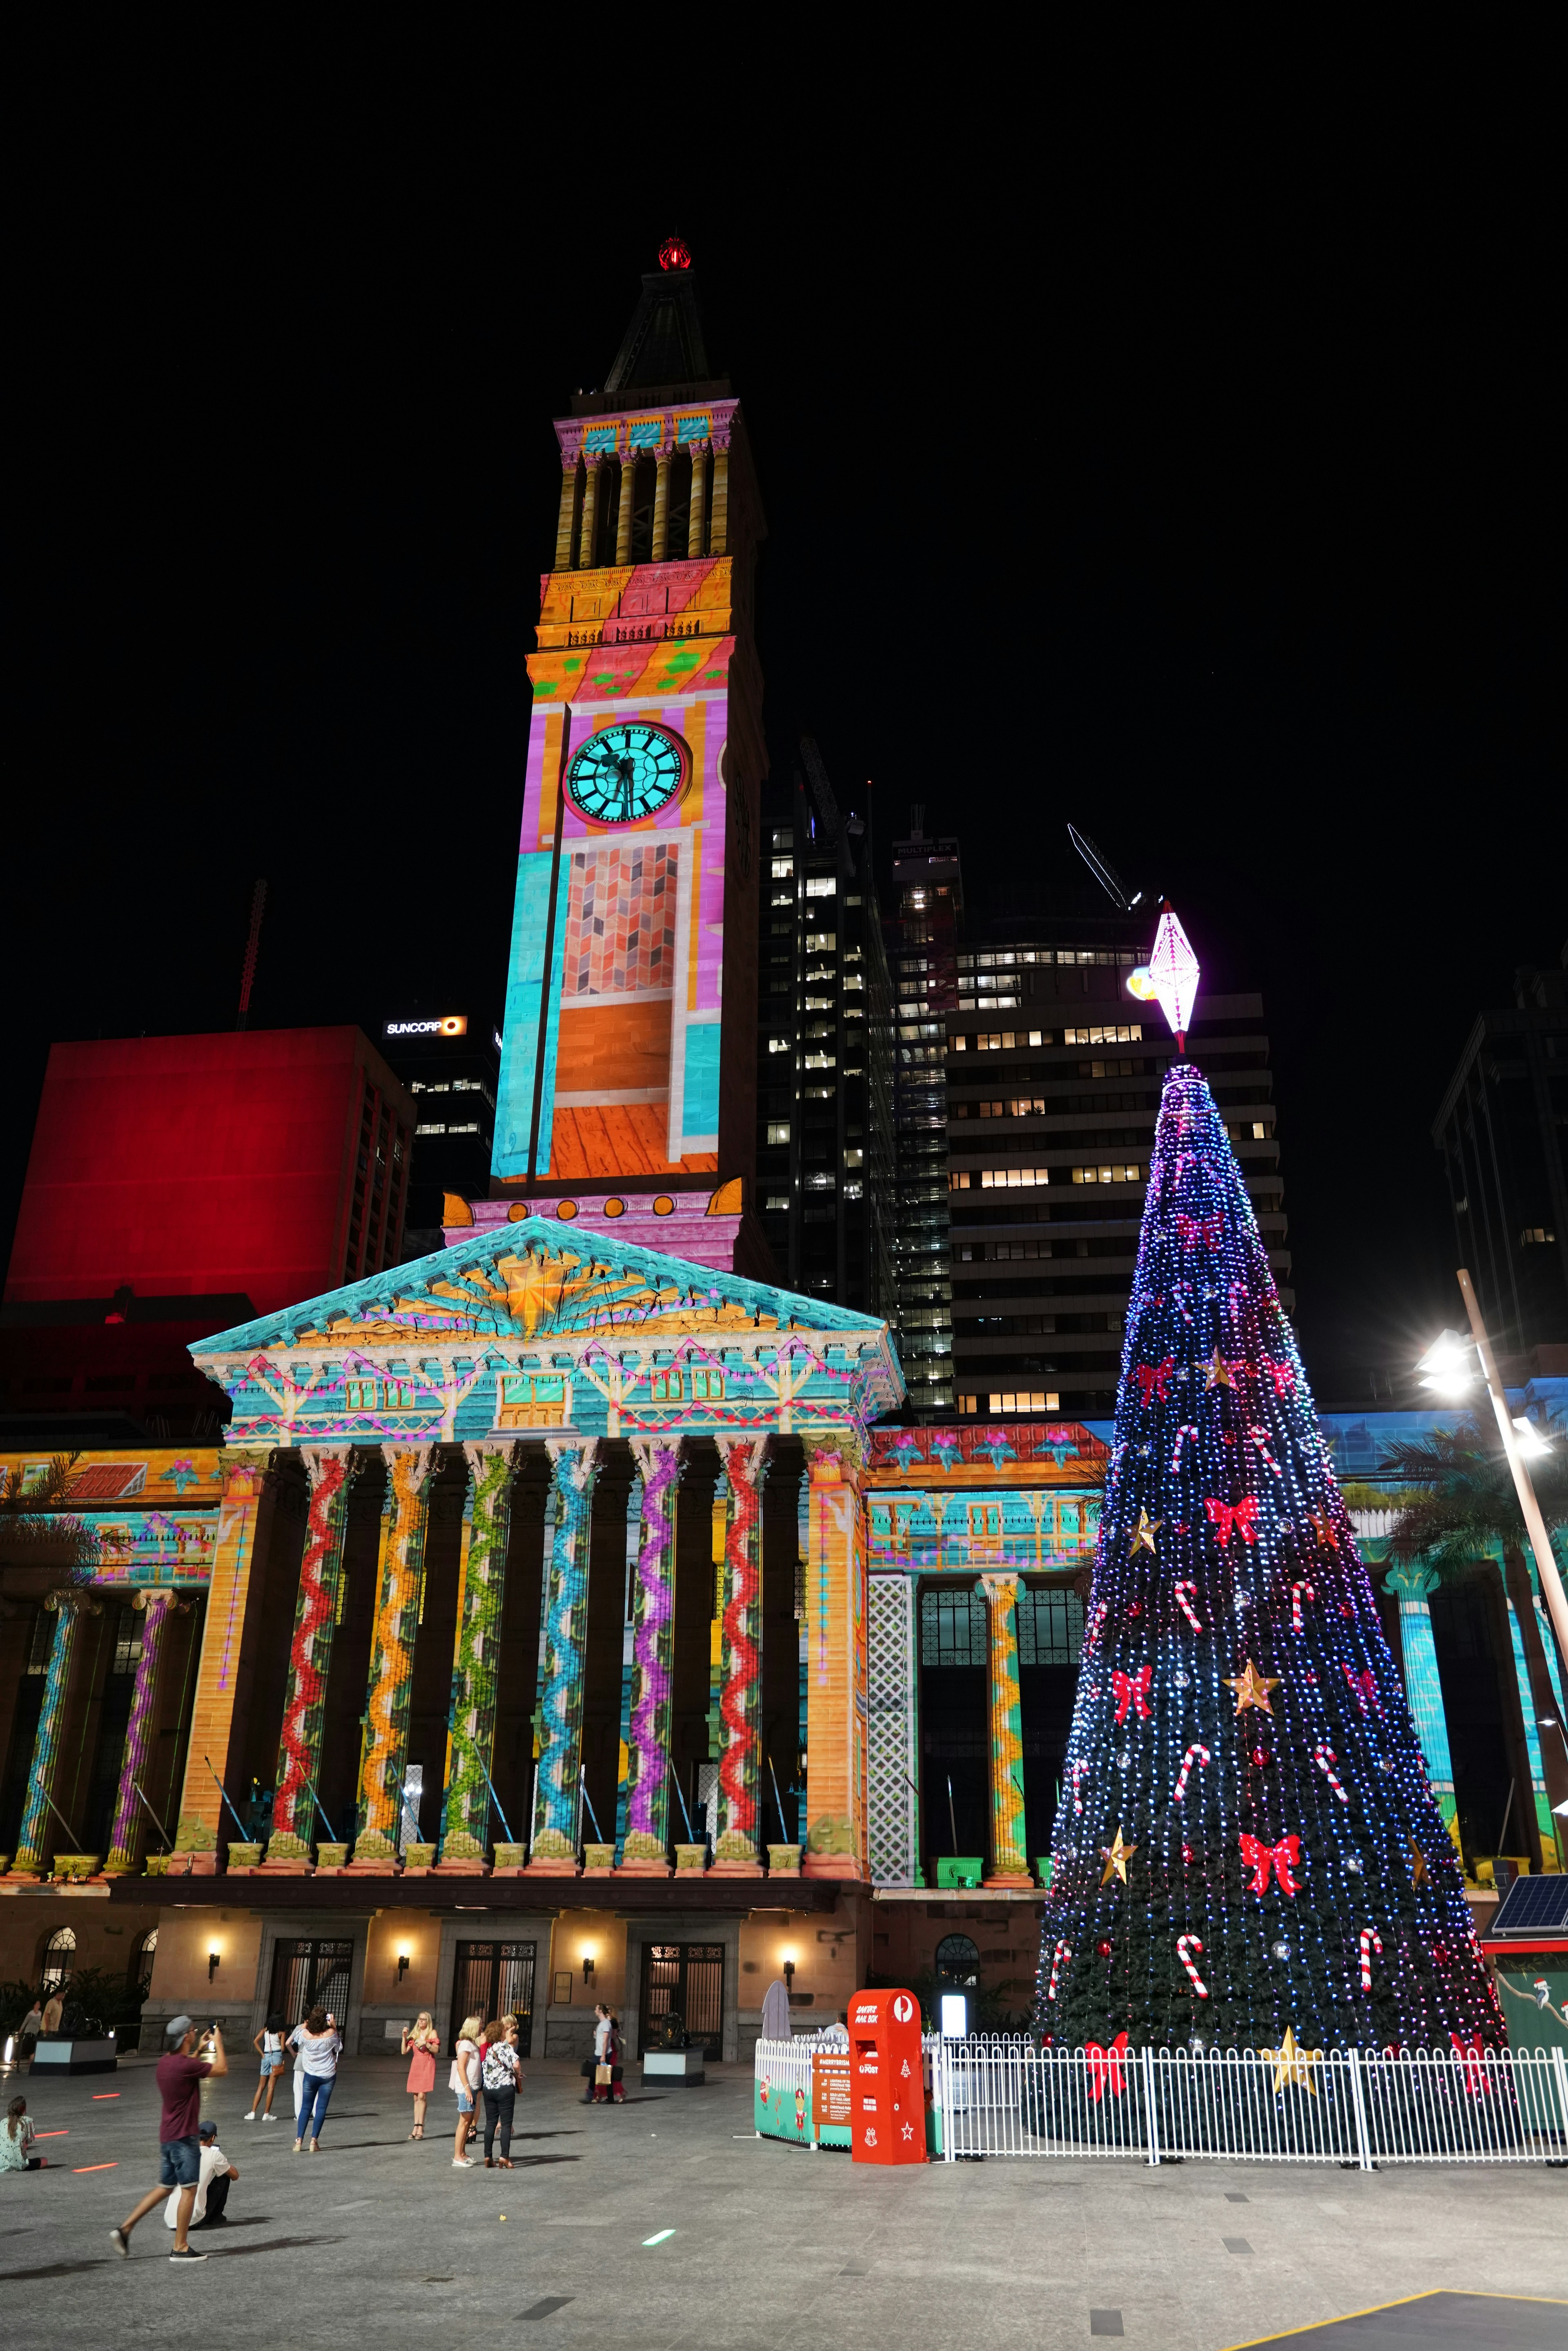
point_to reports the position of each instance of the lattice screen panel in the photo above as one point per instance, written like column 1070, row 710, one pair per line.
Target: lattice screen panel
column 893, row 1747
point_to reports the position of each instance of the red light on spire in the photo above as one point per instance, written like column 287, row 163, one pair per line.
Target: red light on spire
column 674, row 253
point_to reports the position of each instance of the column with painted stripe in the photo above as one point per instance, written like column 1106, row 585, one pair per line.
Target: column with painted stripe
column 736, row 1845
column 399, row 1577
column 647, row 1839
column 131, row 1815
column 318, row 1610
column 1009, row 1862
column 557, row 1790
column 42, row 1831
column 836, row 1660
column 481, row 1593
column 244, row 1526
column 1422, row 1685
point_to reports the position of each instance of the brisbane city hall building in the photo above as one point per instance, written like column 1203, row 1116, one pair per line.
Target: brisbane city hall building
column 567, row 1614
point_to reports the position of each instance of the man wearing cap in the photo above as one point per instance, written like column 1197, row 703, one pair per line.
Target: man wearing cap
column 181, row 2074
column 212, row 2186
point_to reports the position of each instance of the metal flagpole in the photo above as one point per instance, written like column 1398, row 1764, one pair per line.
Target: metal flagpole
column 1539, row 1541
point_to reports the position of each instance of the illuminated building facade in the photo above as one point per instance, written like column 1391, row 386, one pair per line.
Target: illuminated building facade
column 630, row 1031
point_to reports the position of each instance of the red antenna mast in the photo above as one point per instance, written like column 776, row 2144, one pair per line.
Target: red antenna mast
column 257, row 908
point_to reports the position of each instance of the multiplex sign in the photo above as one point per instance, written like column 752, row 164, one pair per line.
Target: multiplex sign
column 452, row 1024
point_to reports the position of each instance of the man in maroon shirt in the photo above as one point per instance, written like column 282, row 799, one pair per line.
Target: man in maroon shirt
column 181, row 2074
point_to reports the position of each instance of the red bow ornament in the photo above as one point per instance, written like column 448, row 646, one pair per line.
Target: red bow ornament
column 1241, row 1515
column 1153, row 1379
column 1365, row 1690
column 1105, row 2067
column 1285, row 1858
column 1282, row 1375
column 1471, row 2058
column 1192, row 1230
column 1132, row 1690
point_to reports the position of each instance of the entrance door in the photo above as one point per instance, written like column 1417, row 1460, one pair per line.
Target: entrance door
column 312, row 1973
column 494, row 1979
column 685, row 1980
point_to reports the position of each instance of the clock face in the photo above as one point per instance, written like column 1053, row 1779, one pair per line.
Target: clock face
column 626, row 772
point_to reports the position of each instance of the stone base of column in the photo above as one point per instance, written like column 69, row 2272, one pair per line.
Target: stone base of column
column 465, row 1868
column 292, row 1868
column 377, row 1865
column 1006, row 1879
column 735, row 1869
column 547, row 1865
column 640, row 1868
column 202, row 1865
column 829, row 1865
column 23, row 1877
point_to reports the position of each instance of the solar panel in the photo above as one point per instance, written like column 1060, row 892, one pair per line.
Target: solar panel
column 1533, row 1905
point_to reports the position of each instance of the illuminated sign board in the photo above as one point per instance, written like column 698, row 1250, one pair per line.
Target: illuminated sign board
column 455, row 1024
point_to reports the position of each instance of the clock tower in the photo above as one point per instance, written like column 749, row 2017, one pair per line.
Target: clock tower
column 629, row 1056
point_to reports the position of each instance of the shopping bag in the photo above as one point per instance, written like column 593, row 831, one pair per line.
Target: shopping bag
column 603, row 2076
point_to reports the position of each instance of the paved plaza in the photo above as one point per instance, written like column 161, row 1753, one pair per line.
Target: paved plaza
column 377, row 2240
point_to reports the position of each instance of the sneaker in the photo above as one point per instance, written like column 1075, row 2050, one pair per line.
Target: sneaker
column 249, row 2117
column 266, row 2119
column 459, row 2163
column 187, row 2254
column 121, row 2243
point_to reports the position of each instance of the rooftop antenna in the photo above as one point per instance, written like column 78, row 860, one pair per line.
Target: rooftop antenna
column 1104, row 873
column 257, row 908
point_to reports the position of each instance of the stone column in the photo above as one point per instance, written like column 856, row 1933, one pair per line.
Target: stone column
column 645, row 1850
column 244, row 1519
column 698, row 510
column 156, row 1608
column 836, row 1660
column 590, row 513
column 718, row 527
column 557, row 1792
column 661, row 505
column 568, row 515
column 318, row 1606
column 737, row 1845
column 623, row 519
column 1422, row 1685
column 1009, row 1862
column 482, row 1591
column 41, row 1831
column 398, row 1576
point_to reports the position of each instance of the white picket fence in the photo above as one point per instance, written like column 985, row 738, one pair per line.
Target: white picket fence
column 1001, row 2098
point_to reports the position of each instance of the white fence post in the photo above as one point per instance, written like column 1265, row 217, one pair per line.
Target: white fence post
column 1560, row 2068
column 1151, row 2126
column 1362, row 2142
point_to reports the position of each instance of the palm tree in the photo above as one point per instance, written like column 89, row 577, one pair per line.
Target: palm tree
column 36, row 1531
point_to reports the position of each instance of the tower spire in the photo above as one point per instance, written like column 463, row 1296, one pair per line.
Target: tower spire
column 664, row 348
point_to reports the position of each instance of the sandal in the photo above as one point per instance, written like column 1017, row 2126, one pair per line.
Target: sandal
column 506, row 2163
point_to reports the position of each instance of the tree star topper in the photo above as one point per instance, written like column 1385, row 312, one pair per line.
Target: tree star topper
column 1143, row 1535
column 1291, row 2063
column 1116, row 1856
column 1252, row 1688
column 1173, row 974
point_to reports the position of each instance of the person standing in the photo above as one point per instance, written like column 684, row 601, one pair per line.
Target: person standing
column 321, row 2046
column 500, row 2076
column 180, row 2075
column 213, row 2175
column 607, row 2086
column 53, row 2009
column 269, row 2046
column 420, row 2046
column 465, row 2078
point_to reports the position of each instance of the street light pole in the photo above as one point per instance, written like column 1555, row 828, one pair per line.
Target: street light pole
column 1539, row 1541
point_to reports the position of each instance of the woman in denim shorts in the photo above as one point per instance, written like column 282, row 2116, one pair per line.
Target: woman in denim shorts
column 465, row 2078
column 269, row 2046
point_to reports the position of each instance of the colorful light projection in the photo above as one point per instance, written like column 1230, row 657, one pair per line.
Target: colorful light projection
column 648, row 1744
column 471, row 1724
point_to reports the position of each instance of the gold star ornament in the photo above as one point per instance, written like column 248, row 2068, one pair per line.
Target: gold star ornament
column 1116, row 1858
column 1216, row 1373
column 1418, row 1866
column 1143, row 1535
column 1252, row 1688
column 1291, row 2063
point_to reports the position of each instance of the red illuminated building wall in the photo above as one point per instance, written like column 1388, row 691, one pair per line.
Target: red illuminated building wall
column 271, row 1164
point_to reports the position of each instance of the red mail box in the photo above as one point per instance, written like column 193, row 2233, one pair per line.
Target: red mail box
column 888, row 2094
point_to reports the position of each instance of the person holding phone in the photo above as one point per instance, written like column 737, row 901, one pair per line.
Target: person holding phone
column 321, row 2046
column 420, row 2046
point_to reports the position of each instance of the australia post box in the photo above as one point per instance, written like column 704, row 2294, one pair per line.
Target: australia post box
column 887, row 2094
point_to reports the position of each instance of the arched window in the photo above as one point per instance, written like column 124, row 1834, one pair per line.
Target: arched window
column 958, row 1960
column 141, row 1959
column 59, row 1955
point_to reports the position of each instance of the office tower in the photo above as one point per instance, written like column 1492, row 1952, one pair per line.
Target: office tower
column 923, row 933
column 825, row 1130
column 1500, row 1133
column 451, row 1065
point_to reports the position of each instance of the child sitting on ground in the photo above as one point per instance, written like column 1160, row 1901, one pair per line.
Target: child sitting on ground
column 17, row 2140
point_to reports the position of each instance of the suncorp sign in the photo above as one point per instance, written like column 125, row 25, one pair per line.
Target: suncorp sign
column 456, row 1024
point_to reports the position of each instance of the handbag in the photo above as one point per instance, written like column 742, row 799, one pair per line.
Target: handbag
column 603, row 2075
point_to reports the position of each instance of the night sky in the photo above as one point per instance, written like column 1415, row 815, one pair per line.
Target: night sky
column 1203, row 489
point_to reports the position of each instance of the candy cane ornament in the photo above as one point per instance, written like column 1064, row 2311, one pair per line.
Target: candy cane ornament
column 1371, row 1940
column 1326, row 1759
column 1180, row 1789
column 1062, row 1951
column 1076, row 1774
column 1185, row 1604
column 1186, row 1943
column 1098, row 1619
column 1183, row 1433
column 1296, row 1592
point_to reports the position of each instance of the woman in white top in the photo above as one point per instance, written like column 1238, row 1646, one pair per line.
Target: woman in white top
column 268, row 2046
column 319, row 2047
column 465, row 2081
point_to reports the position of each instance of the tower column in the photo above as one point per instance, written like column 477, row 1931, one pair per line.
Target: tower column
column 156, row 1608
column 318, row 1606
column 718, row 528
column 623, row 519
column 585, row 549
column 647, row 1840
column 1010, row 1863
column 736, row 1845
column 694, row 529
column 400, row 1579
column 1422, row 1685
column 836, row 1660
column 40, row 1831
column 661, row 505
column 558, row 1783
column 481, row 1595
column 568, row 515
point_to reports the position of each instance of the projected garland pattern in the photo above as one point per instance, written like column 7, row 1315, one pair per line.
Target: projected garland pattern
column 1243, row 1780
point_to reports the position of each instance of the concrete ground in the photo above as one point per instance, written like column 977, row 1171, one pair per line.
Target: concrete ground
column 376, row 2241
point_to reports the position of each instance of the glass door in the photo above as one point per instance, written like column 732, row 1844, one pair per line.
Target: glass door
column 493, row 1980
column 685, row 1980
column 311, row 1973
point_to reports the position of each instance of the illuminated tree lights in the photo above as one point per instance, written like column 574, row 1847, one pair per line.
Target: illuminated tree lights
column 1246, row 1781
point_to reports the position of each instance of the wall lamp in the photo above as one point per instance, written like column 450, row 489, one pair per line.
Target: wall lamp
column 402, row 1965
column 789, row 1962
column 211, row 1965
column 588, row 1967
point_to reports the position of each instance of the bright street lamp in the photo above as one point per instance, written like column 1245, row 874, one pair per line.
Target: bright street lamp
column 1447, row 1364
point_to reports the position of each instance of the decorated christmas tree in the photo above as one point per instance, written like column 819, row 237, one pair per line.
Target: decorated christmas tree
column 1247, row 1846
